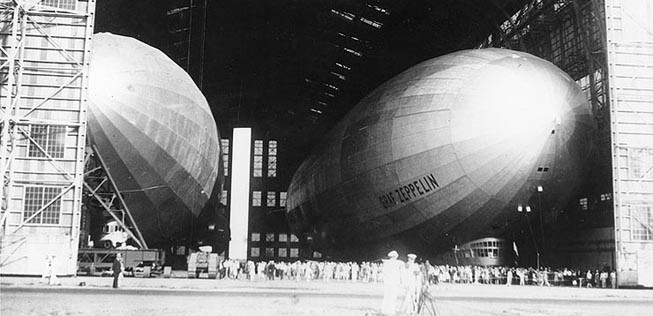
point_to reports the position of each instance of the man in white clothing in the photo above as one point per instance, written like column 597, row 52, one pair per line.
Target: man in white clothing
column 392, row 282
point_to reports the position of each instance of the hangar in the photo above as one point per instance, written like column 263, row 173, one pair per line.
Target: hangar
column 291, row 70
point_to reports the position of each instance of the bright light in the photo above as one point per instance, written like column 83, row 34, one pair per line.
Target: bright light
column 539, row 188
column 519, row 208
column 239, row 218
column 528, row 209
column 514, row 103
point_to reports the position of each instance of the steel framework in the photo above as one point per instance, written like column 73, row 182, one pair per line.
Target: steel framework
column 607, row 46
column 44, row 58
column 570, row 34
column 630, row 69
column 100, row 185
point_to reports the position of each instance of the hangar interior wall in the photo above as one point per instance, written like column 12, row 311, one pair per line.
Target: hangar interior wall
column 629, row 26
column 571, row 34
column 607, row 46
column 44, row 56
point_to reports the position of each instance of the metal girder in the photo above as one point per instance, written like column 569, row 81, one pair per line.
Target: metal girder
column 595, row 60
column 45, row 45
column 137, row 236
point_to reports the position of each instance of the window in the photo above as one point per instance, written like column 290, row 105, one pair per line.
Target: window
column 256, row 198
column 642, row 222
column 583, row 204
column 338, row 75
column 272, row 199
column 372, row 23
column 255, row 252
column 258, row 158
column 272, row 166
column 283, row 252
column 293, row 238
column 569, row 39
column 294, row 252
column 343, row 14
column 269, row 252
column 36, row 198
column 256, row 237
column 282, row 199
column 269, row 237
column 283, row 237
column 641, row 163
column 62, row 4
column 556, row 50
column 353, row 52
column 317, row 254
column 272, row 158
column 223, row 197
column 328, row 85
column 345, row 67
column 50, row 138
column 225, row 156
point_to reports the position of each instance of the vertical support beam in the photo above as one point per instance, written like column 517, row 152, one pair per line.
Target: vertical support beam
column 240, row 181
column 8, row 126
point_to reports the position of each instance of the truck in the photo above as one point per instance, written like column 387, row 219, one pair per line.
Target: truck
column 95, row 261
column 203, row 264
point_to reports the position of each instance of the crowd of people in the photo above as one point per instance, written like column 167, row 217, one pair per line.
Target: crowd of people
column 301, row 270
column 523, row 276
column 373, row 272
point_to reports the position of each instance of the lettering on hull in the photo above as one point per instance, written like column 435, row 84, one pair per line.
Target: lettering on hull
column 409, row 191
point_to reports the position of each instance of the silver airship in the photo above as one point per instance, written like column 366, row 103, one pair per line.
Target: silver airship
column 157, row 136
column 444, row 153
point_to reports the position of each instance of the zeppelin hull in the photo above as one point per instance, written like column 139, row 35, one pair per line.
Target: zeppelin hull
column 156, row 134
column 443, row 152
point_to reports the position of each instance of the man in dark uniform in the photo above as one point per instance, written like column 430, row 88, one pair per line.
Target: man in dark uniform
column 117, row 269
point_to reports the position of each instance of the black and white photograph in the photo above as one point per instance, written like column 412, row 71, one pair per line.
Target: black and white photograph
column 326, row 157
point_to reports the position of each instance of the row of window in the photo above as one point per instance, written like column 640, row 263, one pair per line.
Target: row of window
column 271, row 199
column 483, row 252
column 258, row 158
column 63, row 4
column 583, row 202
column 485, row 244
column 489, row 253
column 257, row 198
column 270, row 252
column 269, row 237
column 255, row 252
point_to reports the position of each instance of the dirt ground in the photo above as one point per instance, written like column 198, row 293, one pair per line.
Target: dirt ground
column 157, row 296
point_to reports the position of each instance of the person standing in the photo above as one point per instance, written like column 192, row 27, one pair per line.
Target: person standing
column 117, row 269
column 509, row 277
column 604, row 279
column 613, row 279
column 410, row 283
column 391, row 283
column 588, row 276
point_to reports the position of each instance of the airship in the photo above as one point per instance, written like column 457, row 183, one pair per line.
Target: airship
column 444, row 153
column 156, row 135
